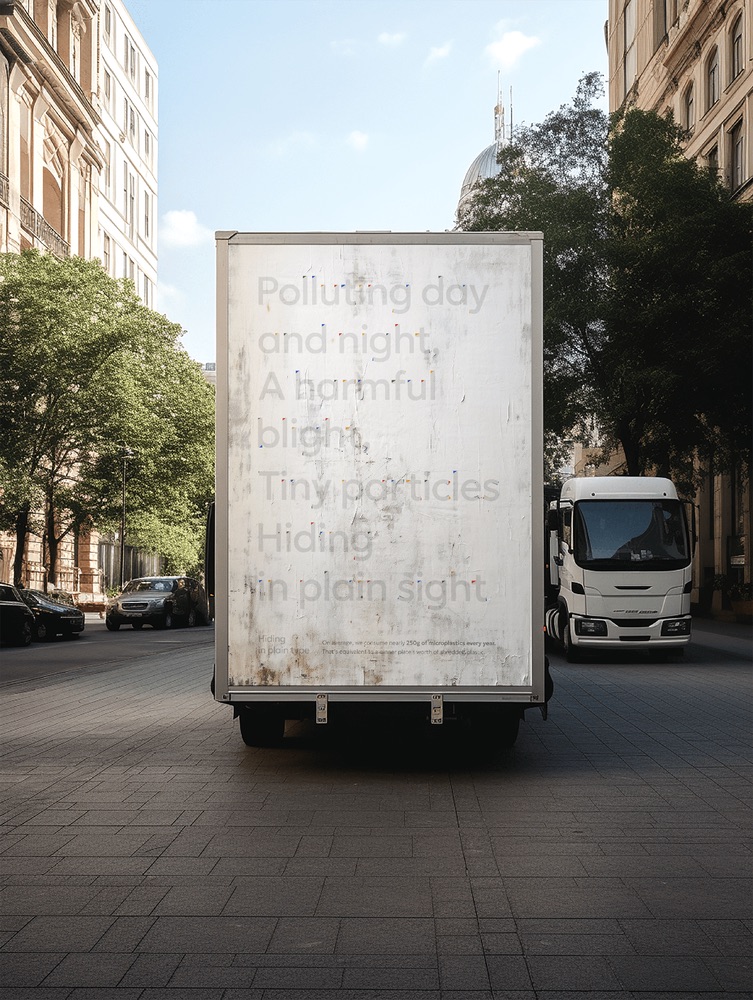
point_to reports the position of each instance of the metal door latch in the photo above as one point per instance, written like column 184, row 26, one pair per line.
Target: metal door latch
column 437, row 710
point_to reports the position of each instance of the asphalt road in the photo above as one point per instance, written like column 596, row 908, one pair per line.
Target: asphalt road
column 95, row 647
column 146, row 853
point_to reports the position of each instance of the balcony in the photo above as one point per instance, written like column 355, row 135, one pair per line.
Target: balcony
column 38, row 226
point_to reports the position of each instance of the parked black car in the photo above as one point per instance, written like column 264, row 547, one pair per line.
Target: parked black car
column 16, row 620
column 159, row 601
column 53, row 617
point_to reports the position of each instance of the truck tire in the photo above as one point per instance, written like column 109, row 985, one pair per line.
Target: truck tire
column 111, row 625
column 492, row 727
column 572, row 653
column 261, row 725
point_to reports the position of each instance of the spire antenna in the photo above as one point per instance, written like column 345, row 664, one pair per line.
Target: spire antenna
column 499, row 116
column 510, row 114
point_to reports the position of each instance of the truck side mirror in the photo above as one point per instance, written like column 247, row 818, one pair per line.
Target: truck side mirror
column 552, row 520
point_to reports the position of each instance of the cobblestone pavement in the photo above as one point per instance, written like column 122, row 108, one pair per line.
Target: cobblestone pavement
column 146, row 854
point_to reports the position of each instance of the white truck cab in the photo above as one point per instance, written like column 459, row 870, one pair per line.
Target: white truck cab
column 620, row 558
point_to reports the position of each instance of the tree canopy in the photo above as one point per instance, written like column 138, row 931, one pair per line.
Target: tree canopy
column 86, row 368
column 647, row 292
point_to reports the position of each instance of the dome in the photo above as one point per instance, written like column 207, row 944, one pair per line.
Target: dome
column 483, row 167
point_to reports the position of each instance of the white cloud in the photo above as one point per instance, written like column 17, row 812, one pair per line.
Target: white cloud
column 358, row 140
column 181, row 228
column 387, row 39
column 299, row 139
column 510, row 46
column 438, row 52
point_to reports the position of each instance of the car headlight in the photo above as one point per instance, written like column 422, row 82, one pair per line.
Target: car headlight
column 158, row 602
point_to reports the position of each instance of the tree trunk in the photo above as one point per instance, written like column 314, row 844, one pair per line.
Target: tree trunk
column 52, row 546
column 22, row 530
column 631, row 448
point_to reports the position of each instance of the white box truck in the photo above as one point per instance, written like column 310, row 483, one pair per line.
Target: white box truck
column 620, row 563
column 379, row 477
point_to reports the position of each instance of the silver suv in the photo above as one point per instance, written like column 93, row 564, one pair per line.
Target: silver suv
column 159, row 601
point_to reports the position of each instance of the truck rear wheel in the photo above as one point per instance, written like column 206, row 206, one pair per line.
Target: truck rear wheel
column 261, row 725
column 493, row 727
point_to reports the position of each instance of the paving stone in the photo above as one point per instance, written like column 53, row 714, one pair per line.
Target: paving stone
column 90, row 970
column 645, row 973
column 23, row 971
column 221, row 934
column 304, row 936
column 274, row 897
column 371, row 936
column 65, row 934
column 387, row 897
column 467, row 972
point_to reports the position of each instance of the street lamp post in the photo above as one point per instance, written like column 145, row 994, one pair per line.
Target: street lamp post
column 125, row 454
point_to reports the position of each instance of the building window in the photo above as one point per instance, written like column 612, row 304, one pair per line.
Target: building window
column 107, row 30
column 147, row 292
column 52, row 24
column 147, row 146
column 106, row 252
column 665, row 15
column 76, row 50
column 737, row 156
column 712, row 79
column 107, row 151
column 712, row 159
column 129, row 57
column 107, row 89
column 148, row 87
column 689, row 109
column 147, row 206
column 631, row 65
column 736, row 53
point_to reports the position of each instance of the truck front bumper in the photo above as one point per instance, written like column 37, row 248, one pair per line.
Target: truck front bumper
column 605, row 633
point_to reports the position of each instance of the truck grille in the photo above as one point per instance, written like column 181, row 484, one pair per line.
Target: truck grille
column 634, row 622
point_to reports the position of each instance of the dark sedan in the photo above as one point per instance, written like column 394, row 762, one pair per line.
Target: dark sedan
column 53, row 617
column 16, row 620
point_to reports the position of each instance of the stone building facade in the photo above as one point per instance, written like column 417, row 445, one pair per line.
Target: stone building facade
column 695, row 59
column 78, row 156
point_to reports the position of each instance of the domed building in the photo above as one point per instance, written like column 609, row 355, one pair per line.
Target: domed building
column 485, row 165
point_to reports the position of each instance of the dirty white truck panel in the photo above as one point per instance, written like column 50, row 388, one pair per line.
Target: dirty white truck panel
column 379, row 464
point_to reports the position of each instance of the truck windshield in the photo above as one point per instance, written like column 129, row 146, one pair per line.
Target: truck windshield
column 631, row 534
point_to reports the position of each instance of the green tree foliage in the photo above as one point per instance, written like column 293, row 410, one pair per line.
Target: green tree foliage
column 647, row 297
column 679, row 309
column 84, row 366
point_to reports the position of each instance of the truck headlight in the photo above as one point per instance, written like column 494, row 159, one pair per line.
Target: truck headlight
column 676, row 626
column 590, row 626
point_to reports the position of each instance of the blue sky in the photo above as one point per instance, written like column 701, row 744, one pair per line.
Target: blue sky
column 297, row 115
